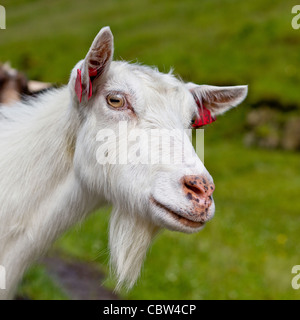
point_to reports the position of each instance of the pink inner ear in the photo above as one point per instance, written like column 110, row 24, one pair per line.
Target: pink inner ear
column 205, row 117
column 78, row 85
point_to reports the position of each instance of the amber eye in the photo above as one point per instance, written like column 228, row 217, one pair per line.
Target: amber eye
column 115, row 100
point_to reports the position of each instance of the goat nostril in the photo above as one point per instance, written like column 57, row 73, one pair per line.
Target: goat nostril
column 197, row 187
column 196, row 190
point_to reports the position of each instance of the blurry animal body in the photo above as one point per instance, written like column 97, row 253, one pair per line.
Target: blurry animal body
column 14, row 85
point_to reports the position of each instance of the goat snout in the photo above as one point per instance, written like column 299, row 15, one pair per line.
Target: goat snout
column 198, row 190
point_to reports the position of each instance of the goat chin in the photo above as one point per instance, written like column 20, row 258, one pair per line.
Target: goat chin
column 129, row 239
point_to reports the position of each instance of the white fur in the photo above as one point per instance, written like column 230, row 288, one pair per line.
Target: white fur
column 50, row 178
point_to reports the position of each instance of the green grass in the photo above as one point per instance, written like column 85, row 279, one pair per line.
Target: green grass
column 217, row 42
column 37, row 284
column 249, row 248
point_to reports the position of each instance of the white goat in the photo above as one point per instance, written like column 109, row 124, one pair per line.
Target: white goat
column 50, row 178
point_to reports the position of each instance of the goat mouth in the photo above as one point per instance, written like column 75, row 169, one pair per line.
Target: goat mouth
column 178, row 217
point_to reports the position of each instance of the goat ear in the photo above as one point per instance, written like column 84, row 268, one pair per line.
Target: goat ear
column 100, row 54
column 218, row 99
column 91, row 72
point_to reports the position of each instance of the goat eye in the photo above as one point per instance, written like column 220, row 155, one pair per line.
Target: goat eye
column 115, row 100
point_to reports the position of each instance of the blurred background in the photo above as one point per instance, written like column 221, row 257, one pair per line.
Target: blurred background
column 248, row 250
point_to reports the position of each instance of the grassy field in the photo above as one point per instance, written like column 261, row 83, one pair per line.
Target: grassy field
column 248, row 250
